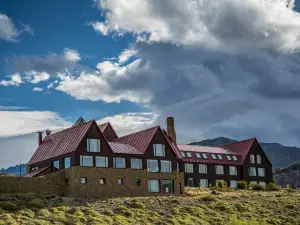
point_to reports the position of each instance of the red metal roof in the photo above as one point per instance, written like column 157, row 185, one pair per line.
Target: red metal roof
column 207, row 149
column 36, row 172
column 103, row 126
column 60, row 143
column 122, row 148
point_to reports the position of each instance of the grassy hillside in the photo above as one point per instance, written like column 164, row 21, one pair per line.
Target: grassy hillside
column 242, row 207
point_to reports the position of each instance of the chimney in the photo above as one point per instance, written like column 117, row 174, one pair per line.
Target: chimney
column 48, row 132
column 171, row 129
column 40, row 137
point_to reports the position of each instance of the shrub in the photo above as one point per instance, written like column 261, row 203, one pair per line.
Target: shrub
column 221, row 184
column 35, row 203
column 137, row 205
column 208, row 198
column 242, row 184
column 273, row 187
column 9, row 206
column 257, row 187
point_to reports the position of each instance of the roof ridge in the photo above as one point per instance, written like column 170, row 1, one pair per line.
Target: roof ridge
column 135, row 133
column 237, row 142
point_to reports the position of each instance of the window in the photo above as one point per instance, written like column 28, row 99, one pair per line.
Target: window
column 190, row 182
column 261, row 172
column 138, row 182
column 152, row 165
column 232, row 170
column 258, row 159
column 120, row 181
column 233, row 184
column 102, row 181
column 119, row 162
column 213, row 156
column 219, row 170
column 67, row 182
column 204, row 155
column 262, row 183
column 203, row 183
column 67, row 162
column 252, row 182
column 202, row 168
column 165, row 166
column 234, row 158
column 167, row 186
column 153, row 186
column 228, row 157
column 198, row 155
column 136, row 163
column 93, row 145
column 56, row 165
column 189, row 168
column 83, row 180
column 183, row 154
column 159, row 150
column 252, row 171
column 86, row 160
column 189, row 154
column 101, row 161
column 34, row 168
column 252, row 159
column 220, row 157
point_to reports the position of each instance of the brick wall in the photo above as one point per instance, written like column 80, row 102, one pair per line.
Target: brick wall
column 93, row 188
column 53, row 183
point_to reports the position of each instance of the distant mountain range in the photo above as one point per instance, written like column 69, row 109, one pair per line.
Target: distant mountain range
column 281, row 156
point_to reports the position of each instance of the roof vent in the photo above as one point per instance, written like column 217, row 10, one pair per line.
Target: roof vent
column 79, row 121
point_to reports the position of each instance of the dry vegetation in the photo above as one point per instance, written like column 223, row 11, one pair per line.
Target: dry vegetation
column 212, row 206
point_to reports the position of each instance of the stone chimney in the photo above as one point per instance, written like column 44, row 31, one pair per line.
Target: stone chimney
column 40, row 137
column 171, row 129
column 48, row 132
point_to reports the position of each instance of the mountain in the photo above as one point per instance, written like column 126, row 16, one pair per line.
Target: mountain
column 289, row 175
column 15, row 170
column 280, row 155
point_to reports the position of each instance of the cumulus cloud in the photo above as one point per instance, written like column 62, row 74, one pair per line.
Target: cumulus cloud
column 37, row 89
column 71, row 55
column 9, row 31
column 15, row 80
column 36, row 77
column 99, row 27
column 126, row 55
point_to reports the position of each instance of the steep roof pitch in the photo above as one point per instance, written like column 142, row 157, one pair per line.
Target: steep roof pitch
column 103, row 127
column 60, row 143
column 36, row 172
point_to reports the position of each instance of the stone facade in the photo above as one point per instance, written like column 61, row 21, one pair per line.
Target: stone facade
column 68, row 183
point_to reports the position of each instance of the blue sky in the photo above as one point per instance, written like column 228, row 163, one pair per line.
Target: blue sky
column 220, row 68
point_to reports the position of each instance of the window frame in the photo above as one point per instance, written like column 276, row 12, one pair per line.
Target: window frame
column 252, row 158
column 158, row 186
column 88, row 145
column 204, row 156
column 148, row 163
column 198, row 155
column 183, row 154
column 206, row 183
column 220, row 157
column 199, row 166
column 140, row 162
column 170, row 166
column 230, row 182
column 255, row 174
column 86, row 156
column 83, row 179
column 260, row 159
column 163, row 150
column 213, row 156
column 106, row 161
column 190, row 179
column 236, row 172
column 188, row 155
column 234, row 158
column 64, row 160
column 103, row 179
column 219, row 166
column 54, row 166
column 120, row 179
column 137, row 183
column 172, row 187
column 186, row 166
column 115, row 162
column 264, row 172
column 228, row 157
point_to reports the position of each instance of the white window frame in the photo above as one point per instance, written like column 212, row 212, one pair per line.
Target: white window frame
column 156, row 189
column 123, row 162
column 252, row 158
column 251, row 169
column 198, row 155
column 189, row 155
column 202, row 166
column 233, row 181
column 228, row 157
column 101, row 157
column 258, row 159
column 140, row 163
column 85, row 156
column 204, row 156
column 233, row 170
column 162, row 148
column 234, row 158
column 187, row 166
column 102, row 181
column 213, row 156
column 67, row 158
column 169, row 166
column 83, row 180
column 205, row 182
column 259, row 172
column 149, row 161
column 217, row 170
column 88, row 145
column 220, row 157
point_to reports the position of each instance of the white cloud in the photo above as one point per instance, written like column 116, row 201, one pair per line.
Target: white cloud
column 37, row 89
column 15, row 80
column 9, row 31
column 71, row 55
column 126, row 55
column 3, row 107
column 36, row 77
column 100, row 28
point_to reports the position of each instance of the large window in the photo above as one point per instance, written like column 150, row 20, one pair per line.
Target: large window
column 228, row 157
column 204, row 155
column 189, row 168
column 152, row 165
column 159, row 150
column 234, row 158
column 93, row 145
column 188, row 154
column 252, row 159
column 202, row 168
column 153, row 186
column 233, row 184
column 86, row 160
column 119, row 162
column 190, row 182
column 56, row 165
column 258, row 159
column 198, row 155
column 232, row 170
column 167, row 186
column 219, row 170
column 165, row 166
column 203, row 183
column 101, row 161
column 220, row 157
column 252, row 182
column 136, row 163
column 261, row 172
column 67, row 162
column 252, row 171
column 213, row 156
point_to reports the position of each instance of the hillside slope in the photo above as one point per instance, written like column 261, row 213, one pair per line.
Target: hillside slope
column 280, row 155
column 289, row 175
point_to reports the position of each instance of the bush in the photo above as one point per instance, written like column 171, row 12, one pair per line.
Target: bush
column 242, row 184
column 257, row 187
column 9, row 206
column 273, row 187
column 35, row 203
column 137, row 205
column 208, row 198
column 221, row 184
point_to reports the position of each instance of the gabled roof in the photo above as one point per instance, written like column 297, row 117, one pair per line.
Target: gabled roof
column 105, row 126
column 122, row 148
column 205, row 149
column 61, row 143
column 36, row 172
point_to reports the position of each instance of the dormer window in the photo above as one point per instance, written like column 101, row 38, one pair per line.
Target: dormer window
column 220, row 157
column 93, row 145
column 204, row 155
column 198, row 155
column 183, row 154
column 234, row 158
column 159, row 150
column 189, row 154
column 228, row 157
column 213, row 156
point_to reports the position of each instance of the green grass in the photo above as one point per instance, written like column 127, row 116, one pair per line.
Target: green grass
column 198, row 206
